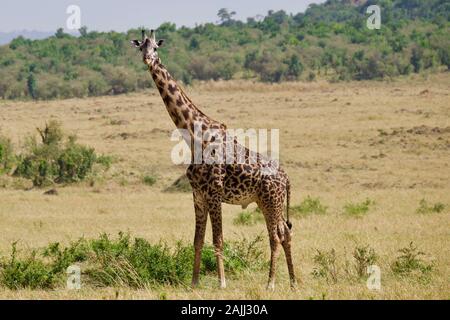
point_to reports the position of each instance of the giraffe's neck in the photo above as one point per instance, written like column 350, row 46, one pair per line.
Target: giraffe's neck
column 180, row 108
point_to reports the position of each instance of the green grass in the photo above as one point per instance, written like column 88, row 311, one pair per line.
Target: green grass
column 307, row 207
column 358, row 209
column 249, row 217
column 425, row 207
column 149, row 180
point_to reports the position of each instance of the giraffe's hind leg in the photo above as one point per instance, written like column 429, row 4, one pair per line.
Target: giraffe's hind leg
column 201, row 216
column 286, row 243
column 271, row 216
column 271, row 202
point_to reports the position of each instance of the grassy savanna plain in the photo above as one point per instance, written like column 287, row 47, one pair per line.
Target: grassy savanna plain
column 340, row 142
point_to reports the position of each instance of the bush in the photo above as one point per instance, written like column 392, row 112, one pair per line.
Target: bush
column 75, row 162
column 6, row 154
column 77, row 251
column 239, row 255
column 139, row 263
column 326, row 266
column 27, row 273
column 56, row 159
column 410, row 261
column 125, row 262
column 364, row 256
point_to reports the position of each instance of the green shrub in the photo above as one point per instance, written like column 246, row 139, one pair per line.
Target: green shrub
column 326, row 266
column 358, row 209
column 239, row 255
column 56, row 159
column 62, row 258
column 139, row 263
column 309, row 206
column 125, row 262
column 6, row 154
column 409, row 261
column 28, row 272
column 364, row 256
column 75, row 162
column 425, row 207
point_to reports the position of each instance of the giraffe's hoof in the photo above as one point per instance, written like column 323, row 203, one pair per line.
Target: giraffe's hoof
column 270, row 286
column 293, row 285
column 223, row 284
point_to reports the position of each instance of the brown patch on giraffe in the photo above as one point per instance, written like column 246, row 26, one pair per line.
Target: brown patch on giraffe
column 186, row 113
column 172, row 88
column 167, row 99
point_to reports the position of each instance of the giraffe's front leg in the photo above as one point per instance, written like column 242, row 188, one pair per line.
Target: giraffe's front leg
column 215, row 212
column 201, row 216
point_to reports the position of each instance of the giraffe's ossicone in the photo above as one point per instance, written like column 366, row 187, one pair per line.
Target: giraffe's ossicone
column 234, row 182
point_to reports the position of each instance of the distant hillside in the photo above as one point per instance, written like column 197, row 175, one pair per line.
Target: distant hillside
column 6, row 37
column 329, row 40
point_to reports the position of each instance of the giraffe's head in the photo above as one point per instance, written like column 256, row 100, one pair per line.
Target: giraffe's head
column 148, row 46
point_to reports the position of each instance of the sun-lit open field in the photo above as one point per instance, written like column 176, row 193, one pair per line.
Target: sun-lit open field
column 344, row 142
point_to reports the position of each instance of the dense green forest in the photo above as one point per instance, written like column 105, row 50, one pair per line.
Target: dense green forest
column 329, row 40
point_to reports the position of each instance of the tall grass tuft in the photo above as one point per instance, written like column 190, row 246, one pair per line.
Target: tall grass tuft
column 358, row 209
column 249, row 217
column 425, row 207
column 309, row 206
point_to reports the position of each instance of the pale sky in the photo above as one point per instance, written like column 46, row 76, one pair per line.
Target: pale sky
column 121, row 15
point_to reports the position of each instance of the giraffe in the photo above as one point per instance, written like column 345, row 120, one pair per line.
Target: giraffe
column 239, row 183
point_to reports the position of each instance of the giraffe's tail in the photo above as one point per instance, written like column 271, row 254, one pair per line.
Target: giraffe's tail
column 288, row 199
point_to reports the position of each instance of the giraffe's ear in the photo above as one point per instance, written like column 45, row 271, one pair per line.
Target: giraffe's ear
column 160, row 42
column 136, row 43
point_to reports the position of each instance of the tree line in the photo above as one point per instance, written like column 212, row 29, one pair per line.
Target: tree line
column 329, row 40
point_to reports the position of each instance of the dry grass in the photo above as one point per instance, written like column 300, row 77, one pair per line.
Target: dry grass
column 340, row 142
